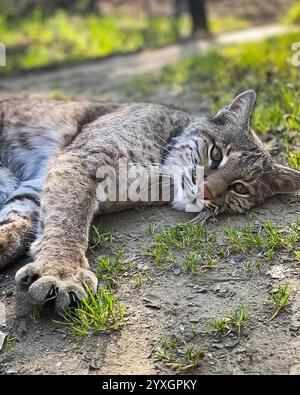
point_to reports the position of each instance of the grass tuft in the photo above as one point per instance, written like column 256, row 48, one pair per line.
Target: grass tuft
column 99, row 236
column 100, row 312
column 280, row 299
column 233, row 321
column 108, row 269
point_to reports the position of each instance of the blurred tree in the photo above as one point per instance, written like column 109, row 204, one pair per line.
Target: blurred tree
column 199, row 16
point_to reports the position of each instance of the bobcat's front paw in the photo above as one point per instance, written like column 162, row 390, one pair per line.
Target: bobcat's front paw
column 63, row 284
column 15, row 238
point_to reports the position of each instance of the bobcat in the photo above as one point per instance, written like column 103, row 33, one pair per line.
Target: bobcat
column 50, row 154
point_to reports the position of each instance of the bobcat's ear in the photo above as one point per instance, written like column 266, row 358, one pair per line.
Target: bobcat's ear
column 240, row 109
column 285, row 180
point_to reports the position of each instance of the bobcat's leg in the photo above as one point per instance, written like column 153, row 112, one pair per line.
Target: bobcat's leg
column 60, row 269
column 18, row 219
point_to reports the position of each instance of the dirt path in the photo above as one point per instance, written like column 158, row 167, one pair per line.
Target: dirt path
column 103, row 75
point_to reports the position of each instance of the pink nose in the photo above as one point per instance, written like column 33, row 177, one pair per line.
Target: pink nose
column 203, row 188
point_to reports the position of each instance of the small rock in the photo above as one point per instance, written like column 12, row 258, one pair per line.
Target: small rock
column 203, row 290
column 277, row 272
column 237, row 259
column 142, row 268
column 152, row 301
column 191, row 295
column 177, row 272
column 217, row 346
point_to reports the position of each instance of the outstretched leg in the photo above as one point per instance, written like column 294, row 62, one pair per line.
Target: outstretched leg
column 60, row 269
column 18, row 219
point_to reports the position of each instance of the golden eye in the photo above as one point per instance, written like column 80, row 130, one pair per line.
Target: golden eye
column 216, row 154
column 240, row 188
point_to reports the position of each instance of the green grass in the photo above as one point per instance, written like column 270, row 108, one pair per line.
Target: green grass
column 109, row 268
column 266, row 238
column 228, row 23
column 195, row 247
column 297, row 255
column 280, row 298
column 8, row 347
column 293, row 15
column 219, row 326
column 233, row 321
column 190, row 244
column 168, row 353
column 141, row 278
column 294, row 160
column 62, row 38
column 100, row 312
column 99, row 236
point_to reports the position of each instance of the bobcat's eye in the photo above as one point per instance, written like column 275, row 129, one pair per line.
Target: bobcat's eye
column 216, row 157
column 240, row 188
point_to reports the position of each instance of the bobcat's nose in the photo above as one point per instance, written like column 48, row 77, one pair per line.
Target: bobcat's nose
column 205, row 192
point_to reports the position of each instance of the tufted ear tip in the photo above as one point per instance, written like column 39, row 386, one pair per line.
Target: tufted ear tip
column 240, row 109
column 244, row 102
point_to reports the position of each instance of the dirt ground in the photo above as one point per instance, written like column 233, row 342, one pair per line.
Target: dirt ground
column 181, row 300
column 182, row 304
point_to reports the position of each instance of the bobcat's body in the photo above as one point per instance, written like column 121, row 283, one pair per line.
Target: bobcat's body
column 51, row 151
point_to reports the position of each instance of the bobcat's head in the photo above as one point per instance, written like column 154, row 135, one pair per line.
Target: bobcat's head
column 238, row 171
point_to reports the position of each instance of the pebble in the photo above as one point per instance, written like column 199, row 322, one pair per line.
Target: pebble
column 217, row 346
column 237, row 259
column 191, row 295
column 177, row 272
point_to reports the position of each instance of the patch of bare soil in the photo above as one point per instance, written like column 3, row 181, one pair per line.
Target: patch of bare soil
column 183, row 306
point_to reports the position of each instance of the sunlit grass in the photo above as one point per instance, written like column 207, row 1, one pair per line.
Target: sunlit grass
column 280, row 298
column 109, row 268
column 195, row 247
column 192, row 244
column 100, row 312
column 293, row 15
column 99, row 237
column 37, row 40
column 266, row 238
column 233, row 321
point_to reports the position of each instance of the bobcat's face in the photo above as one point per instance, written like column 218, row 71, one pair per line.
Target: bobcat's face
column 238, row 172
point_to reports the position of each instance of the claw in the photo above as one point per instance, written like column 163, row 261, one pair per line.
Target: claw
column 52, row 293
column 74, row 300
column 28, row 280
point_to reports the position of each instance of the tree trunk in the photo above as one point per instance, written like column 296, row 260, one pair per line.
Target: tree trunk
column 199, row 16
